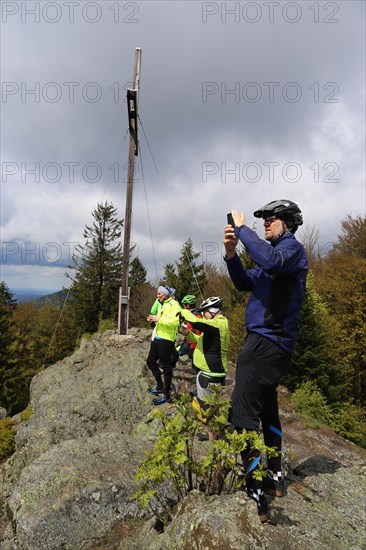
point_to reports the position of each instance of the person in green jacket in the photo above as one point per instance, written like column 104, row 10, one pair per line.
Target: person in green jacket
column 163, row 343
column 210, row 354
column 155, row 310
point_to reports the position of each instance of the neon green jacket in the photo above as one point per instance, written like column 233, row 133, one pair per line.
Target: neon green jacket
column 210, row 354
column 155, row 308
column 167, row 326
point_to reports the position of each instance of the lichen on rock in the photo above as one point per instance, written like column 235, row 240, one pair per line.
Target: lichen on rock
column 69, row 484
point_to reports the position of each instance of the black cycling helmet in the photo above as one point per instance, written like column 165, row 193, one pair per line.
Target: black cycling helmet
column 283, row 209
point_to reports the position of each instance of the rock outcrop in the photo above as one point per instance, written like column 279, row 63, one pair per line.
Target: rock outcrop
column 71, row 477
column 69, row 484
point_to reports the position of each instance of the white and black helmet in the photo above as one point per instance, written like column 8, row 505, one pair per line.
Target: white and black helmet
column 283, row 209
column 212, row 304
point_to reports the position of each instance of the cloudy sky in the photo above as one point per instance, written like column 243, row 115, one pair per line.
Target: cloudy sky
column 241, row 103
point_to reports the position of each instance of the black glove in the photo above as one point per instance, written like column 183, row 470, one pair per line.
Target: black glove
column 181, row 318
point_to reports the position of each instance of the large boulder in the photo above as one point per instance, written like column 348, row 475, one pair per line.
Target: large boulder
column 100, row 388
column 71, row 477
column 72, row 495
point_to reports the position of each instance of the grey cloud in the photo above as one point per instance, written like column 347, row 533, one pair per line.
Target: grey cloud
column 197, row 84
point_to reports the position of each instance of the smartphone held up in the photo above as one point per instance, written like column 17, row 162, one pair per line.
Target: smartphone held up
column 230, row 220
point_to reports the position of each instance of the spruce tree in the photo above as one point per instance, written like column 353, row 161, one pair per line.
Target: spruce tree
column 186, row 276
column 315, row 358
column 98, row 265
column 35, row 344
column 7, row 305
column 170, row 276
column 137, row 274
column 142, row 294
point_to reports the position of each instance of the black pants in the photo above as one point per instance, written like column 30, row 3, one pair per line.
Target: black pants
column 260, row 366
column 161, row 351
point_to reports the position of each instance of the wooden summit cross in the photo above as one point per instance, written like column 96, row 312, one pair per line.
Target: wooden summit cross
column 132, row 103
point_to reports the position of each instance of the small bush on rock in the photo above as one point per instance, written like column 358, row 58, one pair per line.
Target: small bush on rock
column 7, row 437
column 177, row 464
column 26, row 414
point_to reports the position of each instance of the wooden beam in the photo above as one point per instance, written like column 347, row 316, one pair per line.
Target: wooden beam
column 132, row 104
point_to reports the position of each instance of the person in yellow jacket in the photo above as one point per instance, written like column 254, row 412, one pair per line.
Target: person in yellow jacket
column 210, row 354
column 163, row 342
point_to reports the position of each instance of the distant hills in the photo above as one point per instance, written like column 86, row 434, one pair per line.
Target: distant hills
column 40, row 297
column 56, row 299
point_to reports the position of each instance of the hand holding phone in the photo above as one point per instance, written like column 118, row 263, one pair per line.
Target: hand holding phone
column 230, row 240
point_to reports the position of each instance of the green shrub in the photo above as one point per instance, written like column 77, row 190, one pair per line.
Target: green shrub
column 312, row 404
column 174, row 468
column 106, row 324
column 349, row 421
column 7, row 437
column 345, row 419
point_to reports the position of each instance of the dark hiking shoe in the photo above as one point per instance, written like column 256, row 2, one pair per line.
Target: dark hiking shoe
column 273, row 487
column 164, row 398
column 156, row 391
column 202, row 437
column 262, row 508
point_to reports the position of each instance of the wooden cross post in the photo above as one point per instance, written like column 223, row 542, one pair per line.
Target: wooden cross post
column 132, row 102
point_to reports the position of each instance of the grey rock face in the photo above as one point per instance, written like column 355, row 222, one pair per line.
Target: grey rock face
column 74, row 492
column 71, row 477
column 320, row 515
column 69, row 484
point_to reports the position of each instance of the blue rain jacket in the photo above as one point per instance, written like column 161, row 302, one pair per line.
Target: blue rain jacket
column 277, row 285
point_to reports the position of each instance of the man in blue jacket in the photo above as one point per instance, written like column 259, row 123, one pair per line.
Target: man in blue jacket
column 277, row 285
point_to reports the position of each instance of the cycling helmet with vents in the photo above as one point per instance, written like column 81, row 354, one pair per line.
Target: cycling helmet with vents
column 283, row 209
column 212, row 304
column 189, row 299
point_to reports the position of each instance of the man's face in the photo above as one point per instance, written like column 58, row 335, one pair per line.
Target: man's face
column 273, row 227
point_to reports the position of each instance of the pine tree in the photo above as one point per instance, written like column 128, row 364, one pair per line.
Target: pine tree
column 170, row 277
column 142, row 294
column 7, row 305
column 186, row 276
column 137, row 275
column 98, row 265
column 315, row 358
column 35, row 345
